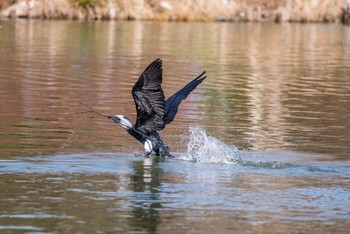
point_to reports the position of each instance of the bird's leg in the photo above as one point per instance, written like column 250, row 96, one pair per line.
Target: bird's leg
column 161, row 149
column 164, row 152
column 147, row 154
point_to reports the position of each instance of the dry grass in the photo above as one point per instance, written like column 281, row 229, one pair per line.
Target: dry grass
column 185, row 10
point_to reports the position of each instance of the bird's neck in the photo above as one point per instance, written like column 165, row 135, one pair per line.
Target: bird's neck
column 137, row 135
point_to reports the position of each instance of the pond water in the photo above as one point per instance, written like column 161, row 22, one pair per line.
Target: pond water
column 262, row 145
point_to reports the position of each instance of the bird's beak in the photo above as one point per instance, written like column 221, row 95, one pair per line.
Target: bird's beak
column 114, row 118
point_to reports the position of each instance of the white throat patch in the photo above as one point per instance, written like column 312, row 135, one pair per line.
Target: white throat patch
column 124, row 122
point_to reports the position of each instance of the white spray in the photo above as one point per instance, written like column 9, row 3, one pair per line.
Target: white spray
column 203, row 148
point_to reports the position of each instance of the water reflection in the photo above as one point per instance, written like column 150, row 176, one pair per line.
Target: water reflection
column 145, row 183
column 269, row 86
column 127, row 193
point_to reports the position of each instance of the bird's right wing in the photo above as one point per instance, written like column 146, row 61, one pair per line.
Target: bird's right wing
column 173, row 102
column 149, row 98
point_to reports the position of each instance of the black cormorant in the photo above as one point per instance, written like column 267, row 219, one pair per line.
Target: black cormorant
column 153, row 111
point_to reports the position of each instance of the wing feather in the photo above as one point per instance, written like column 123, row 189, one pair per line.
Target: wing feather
column 173, row 102
column 149, row 98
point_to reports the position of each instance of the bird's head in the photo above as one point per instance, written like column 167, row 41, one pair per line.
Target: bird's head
column 122, row 121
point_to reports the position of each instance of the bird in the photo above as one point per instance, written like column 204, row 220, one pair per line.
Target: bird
column 153, row 111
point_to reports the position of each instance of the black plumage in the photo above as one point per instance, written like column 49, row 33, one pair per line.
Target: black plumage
column 173, row 102
column 149, row 99
column 153, row 112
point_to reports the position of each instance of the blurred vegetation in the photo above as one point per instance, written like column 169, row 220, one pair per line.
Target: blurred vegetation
column 182, row 10
column 6, row 3
column 84, row 3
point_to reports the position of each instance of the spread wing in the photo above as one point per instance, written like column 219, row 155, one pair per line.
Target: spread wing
column 149, row 98
column 173, row 102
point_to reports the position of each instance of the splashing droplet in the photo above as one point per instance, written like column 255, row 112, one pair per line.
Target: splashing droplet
column 204, row 148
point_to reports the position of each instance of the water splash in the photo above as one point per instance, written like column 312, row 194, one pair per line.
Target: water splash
column 204, row 148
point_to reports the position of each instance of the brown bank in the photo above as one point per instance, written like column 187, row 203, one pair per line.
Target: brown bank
column 181, row 10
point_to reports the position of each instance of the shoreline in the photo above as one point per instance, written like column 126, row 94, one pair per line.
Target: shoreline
column 315, row 11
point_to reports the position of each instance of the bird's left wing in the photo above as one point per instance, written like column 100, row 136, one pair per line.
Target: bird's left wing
column 173, row 102
column 149, row 98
